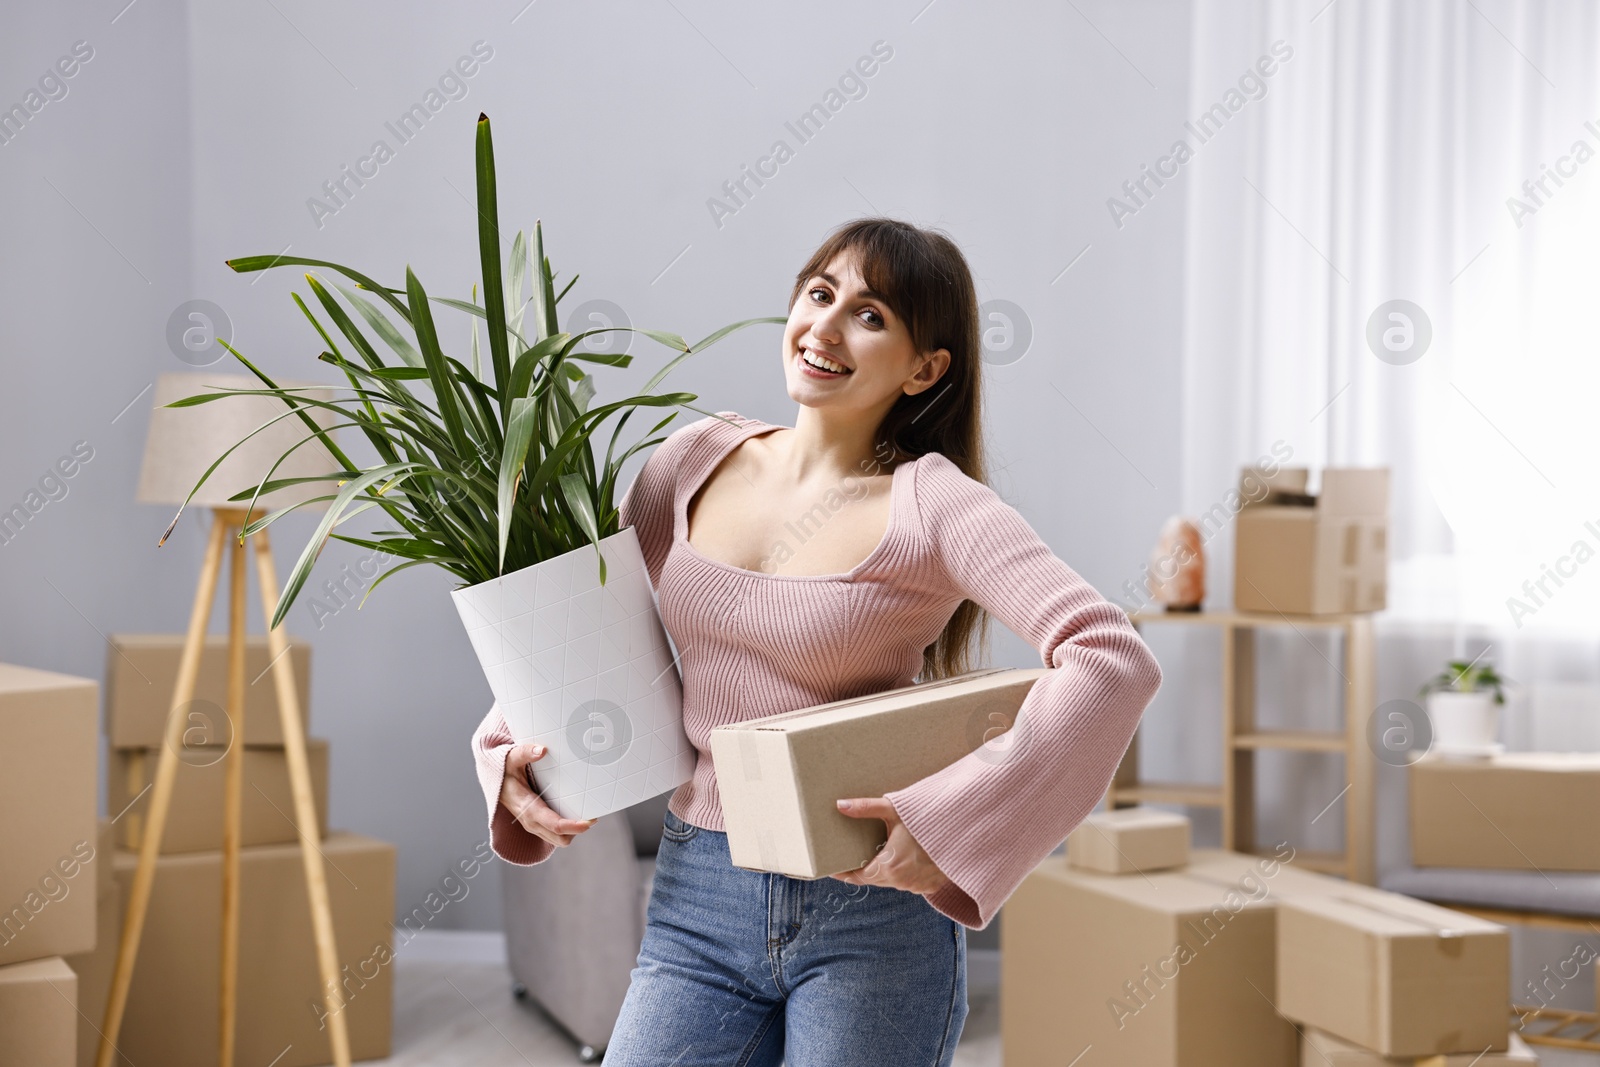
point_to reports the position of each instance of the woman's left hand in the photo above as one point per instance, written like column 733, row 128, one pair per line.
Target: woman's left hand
column 901, row 863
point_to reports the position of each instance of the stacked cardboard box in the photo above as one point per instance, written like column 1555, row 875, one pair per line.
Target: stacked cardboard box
column 1318, row 1049
column 48, row 781
column 1393, row 974
column 282, row 1015
column 1128, row 841
column 281, row 1007
column 1305, row 554
column 1531, row 811
column 141, row 673
column 94, row 967
column 1226, row 960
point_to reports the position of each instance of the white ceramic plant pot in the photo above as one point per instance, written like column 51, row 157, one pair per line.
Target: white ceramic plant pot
column 585, row 670
column 1464, row 723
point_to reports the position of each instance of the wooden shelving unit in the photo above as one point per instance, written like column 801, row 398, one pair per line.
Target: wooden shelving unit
column 1241, row 739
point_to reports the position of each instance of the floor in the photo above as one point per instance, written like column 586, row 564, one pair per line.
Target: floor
column 460, row 1013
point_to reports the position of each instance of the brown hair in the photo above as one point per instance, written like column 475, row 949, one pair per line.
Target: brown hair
column 925, row 280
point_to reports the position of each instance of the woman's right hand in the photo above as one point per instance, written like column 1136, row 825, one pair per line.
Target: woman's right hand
column 526, row 806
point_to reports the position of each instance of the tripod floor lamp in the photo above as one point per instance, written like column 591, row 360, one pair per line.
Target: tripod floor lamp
column 181, row 444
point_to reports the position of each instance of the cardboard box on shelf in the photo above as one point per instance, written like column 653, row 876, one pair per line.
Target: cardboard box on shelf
column 779, row 776
column 142, row 672
column 48, row 791
column 194, row 819
column 38, row 1014
column 1394, row 974
column 280, row 990
column 1518, row 811
column 1170, row 969
column 1129, row 840
column 1301, row 554
column 1518, row 1053
column 94, row 968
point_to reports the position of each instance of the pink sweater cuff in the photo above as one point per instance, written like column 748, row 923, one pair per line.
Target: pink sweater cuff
column 491, row 743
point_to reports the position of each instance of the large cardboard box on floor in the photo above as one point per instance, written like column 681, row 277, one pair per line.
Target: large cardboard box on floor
column 142, row 673
column 779, row 776
column 1129, row 840
column 173, row 1002
column 1517, row 1053
column 1319, row 1049
column 94, row 968
column 1301, row 554
column 1170, row 969
column 38, row 1014
column 48, row 784
column 194, row 819
column 1394, row 974
column 1533, row 811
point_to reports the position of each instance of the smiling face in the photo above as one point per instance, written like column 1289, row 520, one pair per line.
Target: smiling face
column 838, row 321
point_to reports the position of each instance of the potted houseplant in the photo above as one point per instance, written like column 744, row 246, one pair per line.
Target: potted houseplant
column 1464, row 702
column 494, row 477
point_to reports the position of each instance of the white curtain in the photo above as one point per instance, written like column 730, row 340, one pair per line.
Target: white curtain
column 1385, row 160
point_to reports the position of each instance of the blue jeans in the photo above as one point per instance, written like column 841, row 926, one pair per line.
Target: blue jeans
column 744, row 969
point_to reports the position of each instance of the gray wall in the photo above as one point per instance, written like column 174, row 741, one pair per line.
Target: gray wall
column 199, row 132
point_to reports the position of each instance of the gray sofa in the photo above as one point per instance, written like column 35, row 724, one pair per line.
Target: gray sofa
column 574, row 922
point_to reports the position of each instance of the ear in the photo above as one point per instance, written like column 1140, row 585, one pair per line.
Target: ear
column 933, row 366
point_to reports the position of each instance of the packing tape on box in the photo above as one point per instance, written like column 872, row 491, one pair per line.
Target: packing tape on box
column 1448, row 934
column 768, row 851
column 749, row 757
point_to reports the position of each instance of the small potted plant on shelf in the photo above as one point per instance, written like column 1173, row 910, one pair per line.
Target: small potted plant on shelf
column 1464, row 702
column 495, row 478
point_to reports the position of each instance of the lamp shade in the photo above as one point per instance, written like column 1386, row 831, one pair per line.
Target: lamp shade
column 183, row 442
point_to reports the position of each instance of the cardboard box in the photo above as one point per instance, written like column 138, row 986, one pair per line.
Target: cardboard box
column 105, row 843
column 1518, row 811
column 779, row 776
column 38, row 1014
column 1301, row 554
column 1518, row 1053
column 1393, row 974
column 142, row 672
column 94, row 969
column 194, row 819
column 173, row 1002
column 1318, row 1048
column 1170, row 969
column 1129, row 840
column 48, row 784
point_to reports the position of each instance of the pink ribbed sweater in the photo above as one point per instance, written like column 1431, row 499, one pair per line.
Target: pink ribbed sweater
column 752, row 644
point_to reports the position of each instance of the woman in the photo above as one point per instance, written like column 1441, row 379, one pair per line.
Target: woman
column 842, row 556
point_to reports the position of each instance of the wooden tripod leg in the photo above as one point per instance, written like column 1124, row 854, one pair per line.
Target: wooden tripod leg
column 161, row 796
column 294, row 740
column 228, row 983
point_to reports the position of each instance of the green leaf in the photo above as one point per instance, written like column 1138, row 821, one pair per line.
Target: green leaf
column 494, row 304
column 384, row 328
column 544, row 297
column 519, row 435
column 302, row 566
column 245, row 264
column 519, row 275
column 477, row 364
column 444, row 388
column 576, row 490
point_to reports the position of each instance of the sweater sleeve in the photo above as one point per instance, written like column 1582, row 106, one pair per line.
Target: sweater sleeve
column 509, row 839
column 990, row 817
column 648, row 506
